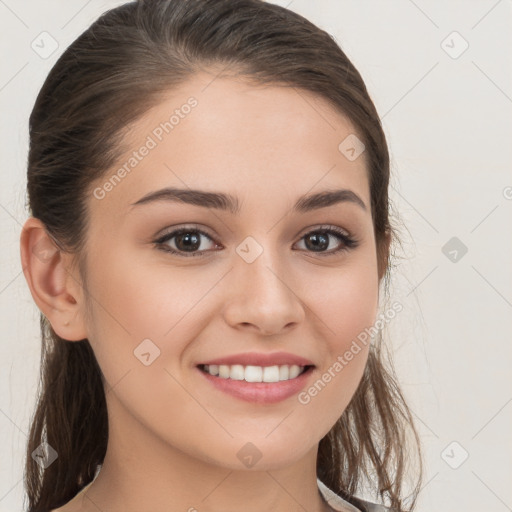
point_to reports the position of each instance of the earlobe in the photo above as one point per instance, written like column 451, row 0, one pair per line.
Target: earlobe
column 56, row 291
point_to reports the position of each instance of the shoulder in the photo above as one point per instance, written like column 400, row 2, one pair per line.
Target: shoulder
column 368, row 506
column 348, row 504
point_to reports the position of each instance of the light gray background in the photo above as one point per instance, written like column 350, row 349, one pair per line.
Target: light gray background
column 449, row 126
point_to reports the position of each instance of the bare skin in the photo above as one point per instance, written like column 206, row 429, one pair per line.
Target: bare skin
column 174, row 438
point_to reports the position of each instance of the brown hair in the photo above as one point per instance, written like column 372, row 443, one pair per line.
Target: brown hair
column 105, row 80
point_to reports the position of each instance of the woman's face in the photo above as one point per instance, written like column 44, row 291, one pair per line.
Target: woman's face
column 257, row 276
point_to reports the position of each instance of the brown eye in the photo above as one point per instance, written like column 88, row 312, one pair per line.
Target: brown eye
column 186, row 240
column 328, row 241
column 317, row 241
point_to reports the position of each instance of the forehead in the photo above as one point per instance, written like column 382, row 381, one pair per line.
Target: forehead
column 239, row 137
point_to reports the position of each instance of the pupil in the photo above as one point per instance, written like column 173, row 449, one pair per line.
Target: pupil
column 320, row 241
column 190, row 242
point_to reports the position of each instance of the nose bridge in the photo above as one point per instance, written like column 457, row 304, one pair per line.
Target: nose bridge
column 261, row 265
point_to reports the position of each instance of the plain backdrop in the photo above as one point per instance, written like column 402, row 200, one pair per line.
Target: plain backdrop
column 440, row 75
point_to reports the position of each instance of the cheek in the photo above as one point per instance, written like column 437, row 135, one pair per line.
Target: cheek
column 140, row 300
column 139, row 309
column 349, row 309
column 134, row 302
column 345, row 306
column 344, row 302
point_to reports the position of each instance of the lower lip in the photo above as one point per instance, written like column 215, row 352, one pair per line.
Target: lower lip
column 260, row 392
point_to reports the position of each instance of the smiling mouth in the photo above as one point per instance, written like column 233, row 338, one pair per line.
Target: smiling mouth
column 265, row 374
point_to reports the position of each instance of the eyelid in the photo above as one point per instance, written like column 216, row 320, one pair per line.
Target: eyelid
column 324, row 227
column 183, row 227
column 199, row 228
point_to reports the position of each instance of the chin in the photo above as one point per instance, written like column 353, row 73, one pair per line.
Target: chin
column 259, row 455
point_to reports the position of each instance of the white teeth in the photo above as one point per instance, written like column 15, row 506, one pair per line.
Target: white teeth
column 237, row 372
column 224, row 371
column 271, row 374
column 294, row 371
column 255, row 373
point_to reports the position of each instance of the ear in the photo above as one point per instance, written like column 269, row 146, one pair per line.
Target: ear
column 56, row 290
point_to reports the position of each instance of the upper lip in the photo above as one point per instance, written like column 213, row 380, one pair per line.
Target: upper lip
column 261, row 359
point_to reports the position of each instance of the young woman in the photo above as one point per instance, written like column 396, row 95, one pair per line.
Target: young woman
column 208, row 244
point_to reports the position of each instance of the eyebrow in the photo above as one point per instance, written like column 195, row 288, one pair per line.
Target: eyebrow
column 230, row 203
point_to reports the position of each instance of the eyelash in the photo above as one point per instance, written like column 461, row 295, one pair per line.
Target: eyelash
column 349, row 242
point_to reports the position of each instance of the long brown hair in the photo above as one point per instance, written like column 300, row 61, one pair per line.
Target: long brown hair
column 106, row 79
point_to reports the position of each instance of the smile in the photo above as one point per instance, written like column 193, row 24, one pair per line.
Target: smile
column 257, row 384
column 254, row 373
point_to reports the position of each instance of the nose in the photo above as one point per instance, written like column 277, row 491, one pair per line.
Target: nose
column 262, row 299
